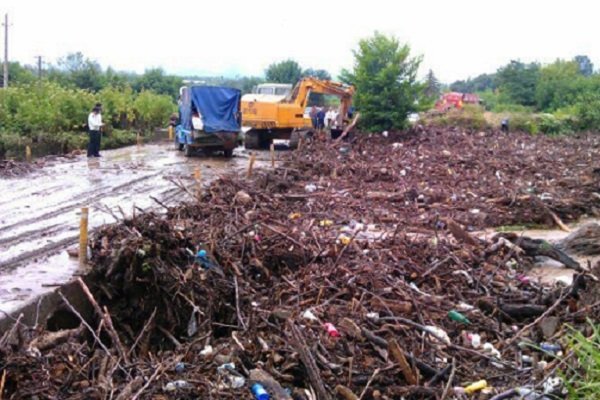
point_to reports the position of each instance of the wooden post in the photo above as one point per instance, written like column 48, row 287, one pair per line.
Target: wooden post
column 83, row 236
column 28, row 153
column 198, row 178
column 273, row 155
column 251, row 164
column 299, row 144
column 139, row 139
column 170, row 132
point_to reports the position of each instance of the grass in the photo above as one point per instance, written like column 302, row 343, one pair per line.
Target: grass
column 521, row 227
column 583, row 378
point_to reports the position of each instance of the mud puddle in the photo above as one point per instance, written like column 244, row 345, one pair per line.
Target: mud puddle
column 39, row 212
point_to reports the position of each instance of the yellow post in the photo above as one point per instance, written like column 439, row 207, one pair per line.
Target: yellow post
column 83, row 236
column 273, row 155
column 28, row 153
column 139, row 139
column 170, row 132
column 198, row 178
column 251, row 164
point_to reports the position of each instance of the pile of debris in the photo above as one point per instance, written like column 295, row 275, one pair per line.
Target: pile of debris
column 11, row 168
column 348, row 272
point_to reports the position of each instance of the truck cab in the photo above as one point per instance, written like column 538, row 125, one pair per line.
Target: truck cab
column 269, row 92
column 209, row 120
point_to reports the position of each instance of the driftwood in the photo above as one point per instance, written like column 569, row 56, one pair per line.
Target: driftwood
column 539, row 247
column 309, row 363
column 459, row 233
column 52, row 339
column 584, row 241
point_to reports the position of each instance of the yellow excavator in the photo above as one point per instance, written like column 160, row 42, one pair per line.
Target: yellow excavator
column 268, row 117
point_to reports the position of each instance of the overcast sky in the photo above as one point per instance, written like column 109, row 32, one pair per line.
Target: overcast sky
column 457, row 38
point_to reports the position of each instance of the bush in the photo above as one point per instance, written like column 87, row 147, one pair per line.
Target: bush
column 152, row 110
column 118, row 138
column 469, row 117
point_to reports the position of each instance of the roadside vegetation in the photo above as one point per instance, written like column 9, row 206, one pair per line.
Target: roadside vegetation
column 558, row 98
column 50, row 114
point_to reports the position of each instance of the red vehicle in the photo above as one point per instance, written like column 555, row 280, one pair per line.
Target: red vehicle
column 455, row 100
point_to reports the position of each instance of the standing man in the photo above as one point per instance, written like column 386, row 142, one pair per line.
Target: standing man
column 94, row 126
column 313, row 116
column 321, row 119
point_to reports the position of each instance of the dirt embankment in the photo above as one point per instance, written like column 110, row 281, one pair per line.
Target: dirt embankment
column 347, row 269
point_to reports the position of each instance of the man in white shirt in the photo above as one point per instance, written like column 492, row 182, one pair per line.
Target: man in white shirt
column 94, row 126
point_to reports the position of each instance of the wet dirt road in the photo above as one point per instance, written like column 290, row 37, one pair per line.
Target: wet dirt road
column 39, row 212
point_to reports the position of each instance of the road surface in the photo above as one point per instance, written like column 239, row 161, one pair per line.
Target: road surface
column 40, row 212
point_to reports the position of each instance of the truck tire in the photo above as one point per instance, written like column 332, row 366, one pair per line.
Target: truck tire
column 179, row 146
column 294, row 140
column 188, row 150
column 252, row 140
column 228, row 153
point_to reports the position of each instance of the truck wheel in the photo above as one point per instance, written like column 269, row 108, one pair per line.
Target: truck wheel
column 251, row 140
column 294, row 140
column 228, row 153
column 179, row 146
column 187, row 150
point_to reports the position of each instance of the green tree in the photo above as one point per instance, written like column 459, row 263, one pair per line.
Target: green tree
column 384, row 75
column 287, row 71
column 586, row 68
column 156, row 80
column 480, row 83
column 18, row 74
column 317, row 73
column 518, row 81
column 82, row 72
column 432, row 87
column 559, row 85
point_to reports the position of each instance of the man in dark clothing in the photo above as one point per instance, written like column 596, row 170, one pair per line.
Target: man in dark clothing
column 313, row 117
column 321, row 119
column 504, row 125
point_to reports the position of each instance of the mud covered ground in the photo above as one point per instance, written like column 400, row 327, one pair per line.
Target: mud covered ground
column 332, row 275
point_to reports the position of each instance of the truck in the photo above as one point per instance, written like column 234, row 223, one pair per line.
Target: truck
column 284, row 117
column 209, row 120
column 455, row 100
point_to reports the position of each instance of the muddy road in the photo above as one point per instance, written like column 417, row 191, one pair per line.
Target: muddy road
column 39, row 212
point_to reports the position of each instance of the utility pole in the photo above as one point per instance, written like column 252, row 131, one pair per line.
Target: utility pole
column 5, row 50
column 39, row 67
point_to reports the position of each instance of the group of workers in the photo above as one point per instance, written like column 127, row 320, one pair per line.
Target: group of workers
column 322, row 118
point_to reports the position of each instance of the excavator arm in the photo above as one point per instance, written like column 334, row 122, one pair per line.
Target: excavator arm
column 306, row 86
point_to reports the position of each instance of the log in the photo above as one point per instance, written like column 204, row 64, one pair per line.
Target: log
column 584, row 241
column 52, row 339
column 539, row 247
column 406, row 369
column 459, row 233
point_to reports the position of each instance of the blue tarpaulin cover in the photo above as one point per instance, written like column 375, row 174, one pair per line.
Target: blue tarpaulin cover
column 219, row 107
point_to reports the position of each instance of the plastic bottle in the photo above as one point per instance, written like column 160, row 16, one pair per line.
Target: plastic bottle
column 179, row 367
column 179, row 384
column 550, row 347
column 476, row 386
column 259, row 392
column 331, row 330
column 202, row 259
column 474, row 339
column 458, row 317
